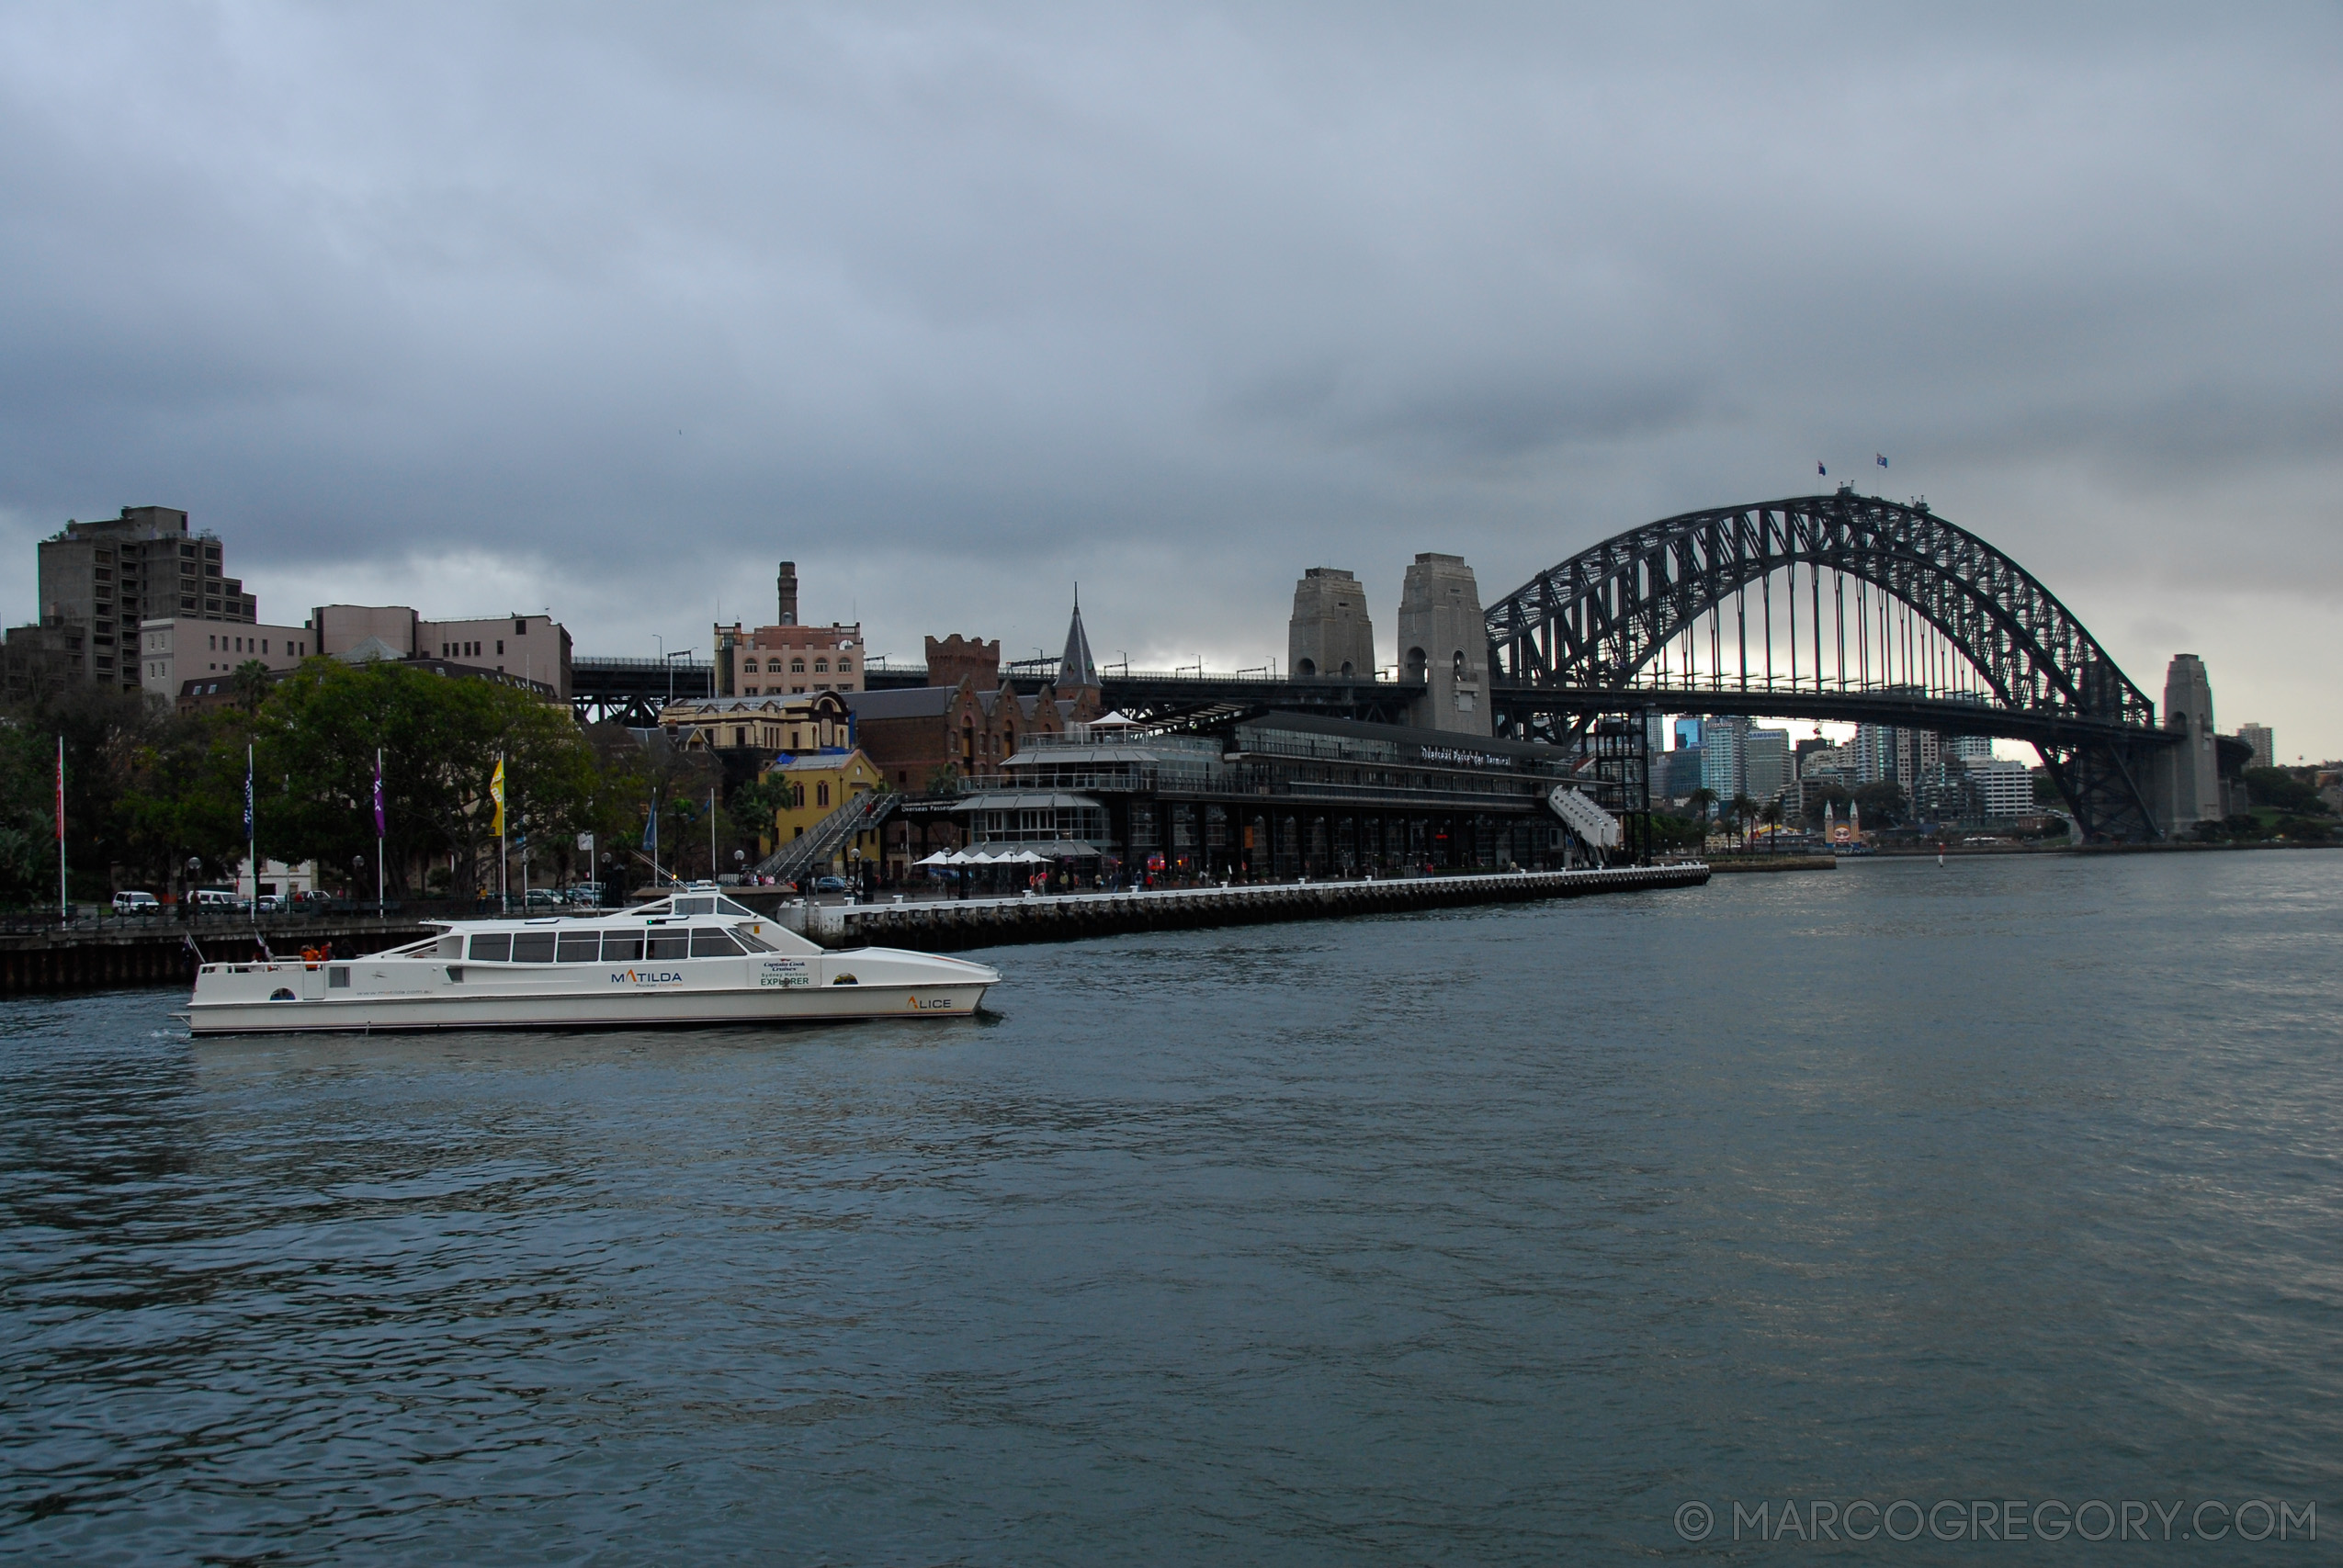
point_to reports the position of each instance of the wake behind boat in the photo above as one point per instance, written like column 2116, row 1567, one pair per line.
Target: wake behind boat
column 690, row 959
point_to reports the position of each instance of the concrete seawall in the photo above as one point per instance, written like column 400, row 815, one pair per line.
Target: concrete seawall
column 150, row 954
column 944, row 924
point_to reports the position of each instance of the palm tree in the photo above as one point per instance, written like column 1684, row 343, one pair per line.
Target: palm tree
column 250, row 683
column 1772, row 816
column 1702, row 801
column 1743, row 809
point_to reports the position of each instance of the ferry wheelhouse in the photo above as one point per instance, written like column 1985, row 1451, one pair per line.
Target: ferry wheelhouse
column 689, row 959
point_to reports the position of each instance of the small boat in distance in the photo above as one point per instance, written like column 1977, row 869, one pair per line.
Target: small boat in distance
column 689, row 959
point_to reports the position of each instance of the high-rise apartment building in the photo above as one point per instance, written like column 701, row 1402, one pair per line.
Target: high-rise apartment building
column 1724, row 758
column 2263, row 740
column 104, row 579
column 1765, row 764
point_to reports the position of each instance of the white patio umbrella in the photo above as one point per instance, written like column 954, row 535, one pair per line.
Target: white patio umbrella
column 940, row 857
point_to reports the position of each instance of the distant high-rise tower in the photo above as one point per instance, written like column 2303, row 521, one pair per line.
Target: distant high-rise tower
column 787, row 585
column 1444, row 642
column 1330, row 633
column 2264, row 742
column 1076, row 668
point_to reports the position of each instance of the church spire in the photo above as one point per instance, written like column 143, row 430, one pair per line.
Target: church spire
column 1076, row 668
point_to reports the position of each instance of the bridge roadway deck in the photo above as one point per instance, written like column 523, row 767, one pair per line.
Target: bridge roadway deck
column 1945, row 716
column 944, row 924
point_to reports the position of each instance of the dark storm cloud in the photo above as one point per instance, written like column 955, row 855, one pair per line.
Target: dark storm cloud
column 607, row 309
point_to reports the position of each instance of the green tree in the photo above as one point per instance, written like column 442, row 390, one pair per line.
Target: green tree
column 2281, row 791
column 439, row 739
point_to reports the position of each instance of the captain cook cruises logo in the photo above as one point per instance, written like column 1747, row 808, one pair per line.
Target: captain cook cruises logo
column 646, row 977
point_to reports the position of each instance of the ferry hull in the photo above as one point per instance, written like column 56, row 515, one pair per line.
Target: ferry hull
column 379, row 1014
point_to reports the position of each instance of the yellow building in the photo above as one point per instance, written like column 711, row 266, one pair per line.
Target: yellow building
column 761, row 723
column 819, row 784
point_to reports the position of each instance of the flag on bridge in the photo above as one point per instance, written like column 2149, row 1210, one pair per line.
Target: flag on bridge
column 1880, row 459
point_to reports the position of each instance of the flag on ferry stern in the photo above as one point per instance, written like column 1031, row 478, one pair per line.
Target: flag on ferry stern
column 378, row 796
column 496, row 793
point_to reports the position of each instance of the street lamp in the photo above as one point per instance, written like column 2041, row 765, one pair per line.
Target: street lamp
column 195, row 874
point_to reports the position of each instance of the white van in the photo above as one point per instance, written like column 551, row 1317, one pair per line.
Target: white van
column 137, row 904
column 217, row 899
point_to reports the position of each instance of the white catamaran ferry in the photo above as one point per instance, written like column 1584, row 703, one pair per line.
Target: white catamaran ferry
column 690, row 959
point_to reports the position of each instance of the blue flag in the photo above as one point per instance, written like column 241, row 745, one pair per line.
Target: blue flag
column 1881, row 457
column 650, row 829
column 1820, row 470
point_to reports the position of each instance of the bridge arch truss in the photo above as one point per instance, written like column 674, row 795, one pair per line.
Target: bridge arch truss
column 1943, row 623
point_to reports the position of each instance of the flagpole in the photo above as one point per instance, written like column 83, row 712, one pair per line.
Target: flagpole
column 60, row 829
column 712, row 867
column 378, row 907
column 503, row 867
column 252, row 836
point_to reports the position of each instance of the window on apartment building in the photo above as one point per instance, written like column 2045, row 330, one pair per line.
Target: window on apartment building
column 520, row 628
column 845, row 665
column 797, row 667
column 822, row 667
column 822, row 794
column 500, row 646
column 749, row 667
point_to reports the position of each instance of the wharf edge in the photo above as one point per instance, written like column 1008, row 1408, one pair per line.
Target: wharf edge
column 942, row 925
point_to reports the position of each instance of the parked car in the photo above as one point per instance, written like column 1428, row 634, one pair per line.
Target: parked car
column 217, row 899
column 543, row 898
column 270, row 904
column 829, row 885
column 137, row 904
column 586, row 894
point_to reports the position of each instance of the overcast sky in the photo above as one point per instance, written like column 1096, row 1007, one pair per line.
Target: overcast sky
column 605, row 311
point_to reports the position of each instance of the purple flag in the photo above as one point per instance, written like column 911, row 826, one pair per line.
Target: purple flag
column 378, row 796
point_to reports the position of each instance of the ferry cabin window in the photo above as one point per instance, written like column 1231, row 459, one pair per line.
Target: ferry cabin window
column 668, row 944
column 752, row 941
column 694, row 905
column 580, row 947
column 713, row 942
column 621, row 947
column 533, row 947
column 337, row 979
column 496, row 949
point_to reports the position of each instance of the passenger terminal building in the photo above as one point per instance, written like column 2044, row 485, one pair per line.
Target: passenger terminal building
column 1274, row 798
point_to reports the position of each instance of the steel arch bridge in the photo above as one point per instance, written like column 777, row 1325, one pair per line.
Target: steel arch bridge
column 1949, row 634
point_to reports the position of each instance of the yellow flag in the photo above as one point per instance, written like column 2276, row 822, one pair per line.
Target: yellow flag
column 496, row 793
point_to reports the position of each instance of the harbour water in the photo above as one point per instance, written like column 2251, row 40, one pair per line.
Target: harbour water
column 1514, row 1234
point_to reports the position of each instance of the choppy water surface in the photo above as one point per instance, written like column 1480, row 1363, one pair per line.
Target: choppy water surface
column 1477, row 1236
